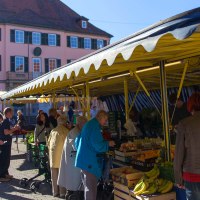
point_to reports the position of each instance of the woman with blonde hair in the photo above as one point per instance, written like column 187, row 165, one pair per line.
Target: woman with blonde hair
column 55, row 145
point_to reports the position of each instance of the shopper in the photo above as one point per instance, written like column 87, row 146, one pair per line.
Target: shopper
column 21, row 122
column 42, row 129
column 1, row 121
column 1, row 118
column 89, row 144
column 187, row 156
column 53, row 117
column 5, row 148
column 38, row 115
column 55, row 144
column 70, row 176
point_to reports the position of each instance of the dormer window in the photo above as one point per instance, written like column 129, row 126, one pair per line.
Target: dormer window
column 84, row 24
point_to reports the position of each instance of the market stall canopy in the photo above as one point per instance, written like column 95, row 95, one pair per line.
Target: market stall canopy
column 173, row 40
column 21, row 101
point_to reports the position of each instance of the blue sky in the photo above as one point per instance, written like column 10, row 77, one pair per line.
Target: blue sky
column 123, row 18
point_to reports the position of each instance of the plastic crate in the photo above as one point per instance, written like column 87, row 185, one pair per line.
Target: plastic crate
column 180, row 194
column 42, row 147
column 143, row 165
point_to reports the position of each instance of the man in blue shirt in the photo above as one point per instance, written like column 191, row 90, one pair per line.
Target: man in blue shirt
column 6, row 137
column 89, row 144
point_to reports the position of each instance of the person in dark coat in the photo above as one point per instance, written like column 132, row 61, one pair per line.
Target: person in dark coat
column 21, row 122
column 53, row 117
column 6, row 136
column 187, row 151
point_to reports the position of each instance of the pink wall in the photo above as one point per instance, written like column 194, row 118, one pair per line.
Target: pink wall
column 3, row 54
column 62, row 52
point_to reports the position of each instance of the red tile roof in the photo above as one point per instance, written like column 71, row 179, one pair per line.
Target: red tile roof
column 51, row 14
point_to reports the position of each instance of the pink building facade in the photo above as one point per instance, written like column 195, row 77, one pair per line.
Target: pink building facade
column 21, row 62
column 50, row 41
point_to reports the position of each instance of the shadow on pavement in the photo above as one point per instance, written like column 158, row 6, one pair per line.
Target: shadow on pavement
column 14, row 197
column 18, row 156
column 26, row 165
column 14, row 186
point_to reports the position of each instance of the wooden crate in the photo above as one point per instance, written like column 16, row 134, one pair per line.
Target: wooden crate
column 125, row 159
column 122, row 192
column 126, row 154
column 167, row 196
column 129, row 179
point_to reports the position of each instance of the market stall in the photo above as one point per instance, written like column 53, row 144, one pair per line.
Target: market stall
column 161, row 56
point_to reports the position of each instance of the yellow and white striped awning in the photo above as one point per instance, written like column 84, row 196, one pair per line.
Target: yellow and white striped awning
column 174, row 40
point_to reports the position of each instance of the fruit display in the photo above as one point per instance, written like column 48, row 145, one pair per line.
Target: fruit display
column 141, row 144
column 150, row 183
column 126, row 147
column 145, row 155
column 141, row 150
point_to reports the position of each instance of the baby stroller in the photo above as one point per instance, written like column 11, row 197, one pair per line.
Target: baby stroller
column 104, row 187
column 41, row 159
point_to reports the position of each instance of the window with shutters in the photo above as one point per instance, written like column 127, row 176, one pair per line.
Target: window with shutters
column 70, row 60
column 19, row 64
column 87, row 43
column 19, row 36
column 52, row 39
column 36, row 38
column 36, row 65
column 99, row 44
column 84, row 24
column 74, row 42
column 52, row 64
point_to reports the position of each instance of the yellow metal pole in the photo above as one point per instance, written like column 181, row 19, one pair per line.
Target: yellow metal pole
column 180, row 88
column 165, row 115
column 83, row 101
column 182, row 79
column 126, row 99
column 141, row 83
column 134, row 99
column 54, row 100
column 146, row 91
column 78, row 97
column 88, row 100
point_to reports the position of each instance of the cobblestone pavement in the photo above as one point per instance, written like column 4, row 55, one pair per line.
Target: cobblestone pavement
column 20, row 168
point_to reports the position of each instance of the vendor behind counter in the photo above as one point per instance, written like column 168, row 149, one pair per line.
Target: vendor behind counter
column 180, row 112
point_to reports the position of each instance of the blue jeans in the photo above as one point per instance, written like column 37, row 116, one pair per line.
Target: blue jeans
column 192, row 190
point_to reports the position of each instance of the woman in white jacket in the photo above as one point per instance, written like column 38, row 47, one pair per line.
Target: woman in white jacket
column 70, row 176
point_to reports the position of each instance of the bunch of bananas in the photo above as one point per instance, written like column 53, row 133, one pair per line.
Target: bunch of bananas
column 153, row 174
column 165, row 186
column 150, row 184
